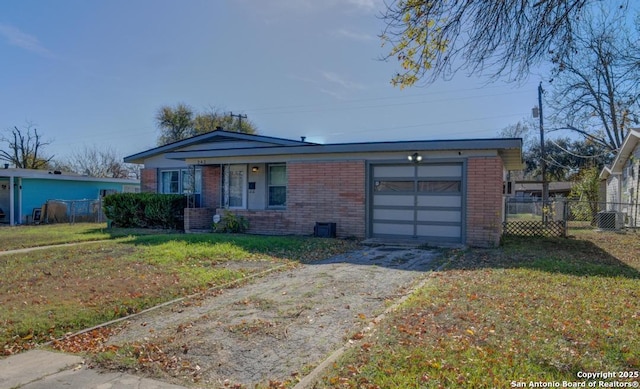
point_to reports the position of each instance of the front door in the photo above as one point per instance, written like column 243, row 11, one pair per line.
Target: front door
column 237, row 186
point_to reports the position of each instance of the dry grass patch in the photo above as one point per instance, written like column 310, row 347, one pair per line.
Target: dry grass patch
column 47, row 293
column 532, row 310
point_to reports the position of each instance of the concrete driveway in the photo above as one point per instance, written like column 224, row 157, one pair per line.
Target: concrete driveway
column 275, row 328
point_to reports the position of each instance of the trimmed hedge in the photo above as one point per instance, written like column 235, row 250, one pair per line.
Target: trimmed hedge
column 145, row 210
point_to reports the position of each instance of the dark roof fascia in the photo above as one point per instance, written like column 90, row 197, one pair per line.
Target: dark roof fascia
column 430, row 145
column 210, row 136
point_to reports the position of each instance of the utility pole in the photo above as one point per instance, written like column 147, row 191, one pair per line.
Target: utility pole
column 543, row 156
column 240, row 117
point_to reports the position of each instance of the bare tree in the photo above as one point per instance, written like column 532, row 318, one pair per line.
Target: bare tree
column 25, row 148
column 595, row 86
column 99, row 162
column 436, row 39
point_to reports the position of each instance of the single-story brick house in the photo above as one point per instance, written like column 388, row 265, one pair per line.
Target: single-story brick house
column 432, row 191
column 621, row 181
column 24, row 190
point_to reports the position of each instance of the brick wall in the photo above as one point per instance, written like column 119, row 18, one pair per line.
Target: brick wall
column 484, row 201
column 211, row 186
column 271, row 222
column 327, row 192
column 149, row 180
column 316, row 192
column 198, row 219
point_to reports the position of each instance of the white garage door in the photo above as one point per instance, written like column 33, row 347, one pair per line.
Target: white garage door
column 417, row 201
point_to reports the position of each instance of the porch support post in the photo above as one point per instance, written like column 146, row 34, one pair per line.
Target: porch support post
column 20, row 200
column 11, row 201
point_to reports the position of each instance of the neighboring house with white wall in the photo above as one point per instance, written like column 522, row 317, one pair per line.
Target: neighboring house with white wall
column 622, row 180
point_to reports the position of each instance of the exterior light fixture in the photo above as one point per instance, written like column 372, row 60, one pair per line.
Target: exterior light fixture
column 255, row 169
column 415, row 157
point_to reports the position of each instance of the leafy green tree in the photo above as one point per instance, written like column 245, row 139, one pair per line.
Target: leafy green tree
column 586, row 189
column 565, row 158
column 434, row 39
column 213, row 119
column 175, row 123
column 181, row 122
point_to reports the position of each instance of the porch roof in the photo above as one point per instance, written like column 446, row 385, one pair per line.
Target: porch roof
column 214, row 136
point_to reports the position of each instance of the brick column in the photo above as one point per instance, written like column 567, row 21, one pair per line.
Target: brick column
column 484, row 201
column 149, row 180
column 211, row 176
column 198, row 219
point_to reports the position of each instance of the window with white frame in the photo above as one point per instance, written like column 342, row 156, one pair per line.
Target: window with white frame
column 182, row 181
column 277, row 185
column 170, row 181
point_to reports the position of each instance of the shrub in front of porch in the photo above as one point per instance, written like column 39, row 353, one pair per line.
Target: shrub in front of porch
column 230, row 222
column 145, row 210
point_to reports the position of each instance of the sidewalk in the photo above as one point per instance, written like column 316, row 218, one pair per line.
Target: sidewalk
column 38, row 369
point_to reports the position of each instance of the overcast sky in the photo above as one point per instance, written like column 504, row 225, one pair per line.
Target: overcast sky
column 89, row 72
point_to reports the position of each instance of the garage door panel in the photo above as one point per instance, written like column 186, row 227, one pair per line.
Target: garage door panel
column 439, row 231
column 439, row 201
column 393, row 229
column 393, row 214
column 386, row 200
column 440, row 171
column 392, row 171
column 417, row 201
column 439, row 216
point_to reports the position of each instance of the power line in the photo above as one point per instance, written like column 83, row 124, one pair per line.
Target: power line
column 342, row 107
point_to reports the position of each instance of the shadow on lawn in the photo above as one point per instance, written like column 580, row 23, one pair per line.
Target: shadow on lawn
column 298, row 248
column 555, row 255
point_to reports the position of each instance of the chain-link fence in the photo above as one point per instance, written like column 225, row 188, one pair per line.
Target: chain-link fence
column 73, row 211
column 556, row 217
column 603, row 216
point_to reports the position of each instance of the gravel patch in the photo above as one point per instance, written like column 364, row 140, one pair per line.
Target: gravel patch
column 279, row 327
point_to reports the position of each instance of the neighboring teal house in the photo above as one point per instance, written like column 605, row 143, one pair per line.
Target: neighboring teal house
column 23, row 190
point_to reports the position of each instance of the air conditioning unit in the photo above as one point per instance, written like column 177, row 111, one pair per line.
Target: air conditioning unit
column 610, row 220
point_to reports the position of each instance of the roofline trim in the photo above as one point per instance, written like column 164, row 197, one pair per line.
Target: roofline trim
column 210, row 135
column 476, row 144
column 626, row 148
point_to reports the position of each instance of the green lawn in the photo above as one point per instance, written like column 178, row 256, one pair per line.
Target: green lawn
column 49, row 292
column 532, row 310
column 19, row 237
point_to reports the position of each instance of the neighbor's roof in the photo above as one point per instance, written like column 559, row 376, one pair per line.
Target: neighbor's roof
column 628, row 145
column 57, row 175
column 510, row 149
